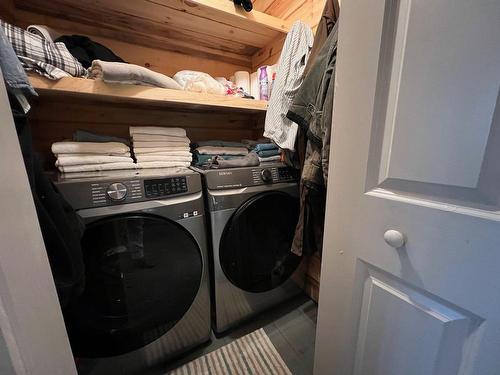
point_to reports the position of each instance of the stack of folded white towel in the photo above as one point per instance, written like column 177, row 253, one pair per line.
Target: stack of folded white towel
column 160, row 147
column 92, row 156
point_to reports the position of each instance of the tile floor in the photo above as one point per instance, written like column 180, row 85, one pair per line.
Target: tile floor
column 291, row 328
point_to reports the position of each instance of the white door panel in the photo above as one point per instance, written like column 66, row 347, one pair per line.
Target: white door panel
column 404, row 331
column 415, row 148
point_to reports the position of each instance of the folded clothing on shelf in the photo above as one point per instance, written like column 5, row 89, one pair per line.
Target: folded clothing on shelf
column 207, row 152
column 157, row 147
column 270, row 159
column 97, row 167
column 250, row 160
column 206, row 159
column 85, row 50
column 91, row 156
column 216, row 150
column 251, row 143
column 45, row 32
column 52, row 60
column 162, row 164
column 161, row 144
column 158, row 137
column 86, row 136
column 268, row 153
column 157, row 150
column 101, row 148
column 146, row 158
column 65, row 160
column 216, row 143
column 265, row 147
column 157, row 130
column 116, row 72
column 144, row 152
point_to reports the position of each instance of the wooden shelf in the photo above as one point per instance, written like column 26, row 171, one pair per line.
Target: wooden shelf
column 215, row 29
column 143, row 95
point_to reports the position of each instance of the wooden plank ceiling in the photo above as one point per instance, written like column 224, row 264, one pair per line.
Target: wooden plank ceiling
column 214, row 29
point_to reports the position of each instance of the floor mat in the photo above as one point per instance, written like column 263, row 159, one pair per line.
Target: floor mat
column 249, row 355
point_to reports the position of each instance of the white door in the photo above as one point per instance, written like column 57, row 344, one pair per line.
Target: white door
column 415, row 149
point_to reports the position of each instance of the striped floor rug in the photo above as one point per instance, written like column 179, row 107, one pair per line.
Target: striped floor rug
column 253, row 354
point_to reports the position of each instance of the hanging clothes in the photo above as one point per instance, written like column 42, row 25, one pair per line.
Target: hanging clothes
column 13, row 73
column 325, row 26
column 312, row 111
column 289, row 77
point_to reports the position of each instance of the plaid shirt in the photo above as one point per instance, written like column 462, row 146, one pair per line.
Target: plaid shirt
column 52, row 60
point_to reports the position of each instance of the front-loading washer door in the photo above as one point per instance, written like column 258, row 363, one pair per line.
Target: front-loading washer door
column 142, row 275
column 254, row 249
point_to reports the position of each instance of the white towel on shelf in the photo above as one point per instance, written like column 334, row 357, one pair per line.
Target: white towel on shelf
column 160, row 130
column 215, row 150
column 149, row 150
column 96, row 167
column 162, row 164
column 157, row 137
column 143, row 158
column 117, row 72
column 165, row 153
column 125, row 154
column 142, row 144
column 69, row 159
column 104, row 148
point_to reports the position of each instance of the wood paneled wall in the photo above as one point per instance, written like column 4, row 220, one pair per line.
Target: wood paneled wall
column 161, row 60
column 308, row 11
column 54, row 119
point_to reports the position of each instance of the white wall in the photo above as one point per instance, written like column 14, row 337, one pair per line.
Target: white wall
column 33, row 337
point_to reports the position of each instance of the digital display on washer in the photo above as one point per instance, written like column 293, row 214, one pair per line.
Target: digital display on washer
column 165, row 186
column 287, row 174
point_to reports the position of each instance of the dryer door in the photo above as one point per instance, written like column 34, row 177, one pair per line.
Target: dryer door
column 255, row 245
column 142, row 274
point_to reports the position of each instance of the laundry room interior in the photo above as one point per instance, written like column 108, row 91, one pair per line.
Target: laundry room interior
column 197, row 187
column 170, row 214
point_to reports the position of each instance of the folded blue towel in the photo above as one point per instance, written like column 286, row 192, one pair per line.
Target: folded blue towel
column 216, row 143
column 268, row 153
column 265, row 146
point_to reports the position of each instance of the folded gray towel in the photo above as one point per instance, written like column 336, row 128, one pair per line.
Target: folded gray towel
column 85, row 136
column 250, row 160
column 116, row 72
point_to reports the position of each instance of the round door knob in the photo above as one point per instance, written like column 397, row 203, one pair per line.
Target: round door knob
column 116, row 191
column 266, row 175
column 394, row 238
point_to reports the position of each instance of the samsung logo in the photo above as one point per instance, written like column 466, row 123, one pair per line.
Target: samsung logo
column 225, row 173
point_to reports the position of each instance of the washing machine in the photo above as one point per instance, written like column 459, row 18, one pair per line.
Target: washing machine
column 146, row 296
column 253, row 213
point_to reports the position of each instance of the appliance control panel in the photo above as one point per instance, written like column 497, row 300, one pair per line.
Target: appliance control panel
column 104, row 192
column 273, row 175
column 165, row 186
column 116, row 188
column 249, row 176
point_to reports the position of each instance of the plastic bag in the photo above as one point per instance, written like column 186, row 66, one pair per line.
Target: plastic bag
column 191, row 80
